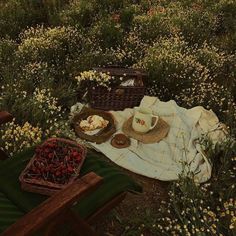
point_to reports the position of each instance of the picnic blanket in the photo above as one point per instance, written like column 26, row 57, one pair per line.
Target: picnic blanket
column 179, row 152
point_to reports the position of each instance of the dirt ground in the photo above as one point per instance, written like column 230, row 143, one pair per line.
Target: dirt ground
column 154, row 191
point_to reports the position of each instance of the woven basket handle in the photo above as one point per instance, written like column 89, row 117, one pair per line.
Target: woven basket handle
column 116, row 67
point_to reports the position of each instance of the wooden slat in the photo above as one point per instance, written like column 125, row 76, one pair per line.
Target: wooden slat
column 5, row 117
column 79, row 226
column 106, row 208
column 53, row 206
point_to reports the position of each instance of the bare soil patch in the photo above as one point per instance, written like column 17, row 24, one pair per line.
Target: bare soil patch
column 134, row 206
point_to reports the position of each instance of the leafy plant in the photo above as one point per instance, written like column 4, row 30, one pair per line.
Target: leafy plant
column 79, row 14
column 58, row 47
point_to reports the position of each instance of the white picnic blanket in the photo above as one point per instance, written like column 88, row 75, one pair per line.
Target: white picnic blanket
column 178, row 153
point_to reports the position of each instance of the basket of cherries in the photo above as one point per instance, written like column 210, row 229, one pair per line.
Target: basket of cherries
column 56, row 163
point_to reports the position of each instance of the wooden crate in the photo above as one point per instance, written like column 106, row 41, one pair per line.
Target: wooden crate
column 46, row 187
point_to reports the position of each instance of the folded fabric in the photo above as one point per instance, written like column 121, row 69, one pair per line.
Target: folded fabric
column 179, row 152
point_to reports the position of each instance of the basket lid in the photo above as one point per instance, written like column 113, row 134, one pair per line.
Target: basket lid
column 120, row 71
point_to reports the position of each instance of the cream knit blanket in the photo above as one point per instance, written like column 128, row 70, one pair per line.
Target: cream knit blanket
column 179, row 152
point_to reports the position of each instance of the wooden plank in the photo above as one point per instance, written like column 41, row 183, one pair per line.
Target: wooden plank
column 53, row 206
column 52, row 228
column 5, row 117
column 79, row 226
column 106, row 208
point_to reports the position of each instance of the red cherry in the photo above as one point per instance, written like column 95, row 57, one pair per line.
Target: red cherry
column 50, row 155
column 70, row 169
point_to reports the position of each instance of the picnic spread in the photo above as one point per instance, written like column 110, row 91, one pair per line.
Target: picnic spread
column 80, row 181
column 177, row 151
column 142, row 134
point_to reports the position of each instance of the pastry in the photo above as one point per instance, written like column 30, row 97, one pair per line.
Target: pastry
column 93, row 122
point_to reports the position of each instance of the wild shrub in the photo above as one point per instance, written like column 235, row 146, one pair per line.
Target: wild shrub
column 152, row 25
column 107, row 32
column 171, row 64
column 192, row 75
column 59, row 47
column 79, row 14
column 15, row 16
column 7, row 57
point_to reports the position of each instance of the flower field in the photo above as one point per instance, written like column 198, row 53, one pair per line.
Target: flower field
column 188, row 49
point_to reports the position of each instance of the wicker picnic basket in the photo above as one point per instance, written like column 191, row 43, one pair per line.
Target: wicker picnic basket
column 119, row 97
column 46, row 187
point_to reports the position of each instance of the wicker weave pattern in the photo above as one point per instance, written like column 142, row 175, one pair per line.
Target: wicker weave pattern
column 116, row 99
column 120, row 97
